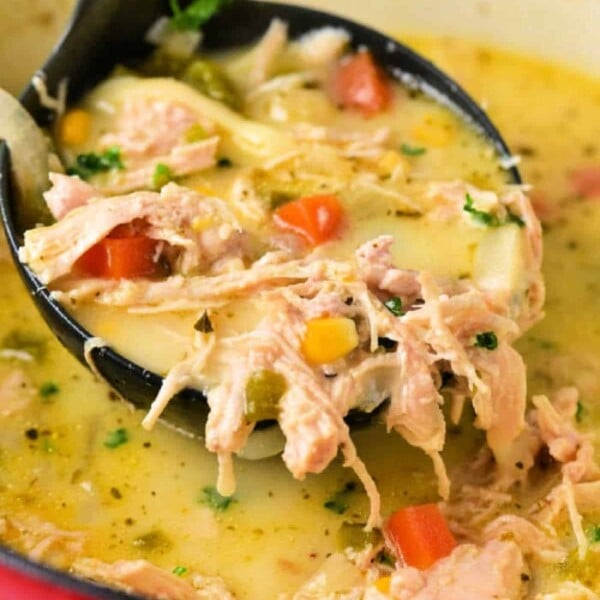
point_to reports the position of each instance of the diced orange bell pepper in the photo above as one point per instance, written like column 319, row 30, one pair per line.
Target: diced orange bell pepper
column 316, row 218
column 419, row 535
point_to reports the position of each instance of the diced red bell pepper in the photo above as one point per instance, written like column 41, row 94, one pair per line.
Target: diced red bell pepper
column 359, row 83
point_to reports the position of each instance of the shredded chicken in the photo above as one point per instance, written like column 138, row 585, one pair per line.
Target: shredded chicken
column 52, row 251
column 41, row 540
column 142, row 577
column 469, row 573
column 16, row 391
column 67, row 193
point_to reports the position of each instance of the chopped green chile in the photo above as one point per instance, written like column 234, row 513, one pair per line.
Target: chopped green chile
column 339, row 503
column 162, row 175
column 209, row 79
column 264, row 389
column 353, row 535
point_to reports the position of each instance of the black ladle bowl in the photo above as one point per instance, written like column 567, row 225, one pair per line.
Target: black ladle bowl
column 108, row 32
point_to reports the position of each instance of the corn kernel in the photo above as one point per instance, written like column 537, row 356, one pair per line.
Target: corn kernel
column 204, row 188
column 200, row 224
column 391, row 163
column 383, row 584
column 327, row 339
column 435, row 131
column 195, row 133
column 74, row 127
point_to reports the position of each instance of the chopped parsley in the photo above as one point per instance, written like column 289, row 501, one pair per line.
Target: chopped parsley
column 214, row 500
column 87, row 165
column 204, row 324
column 339, row 502
column 487, row 340
column 512, row 218
column 48, row 389
column 489, row 219
column 485, row 218
column 196, row 14
column 180, row 571
column 579, row 412
column 594, row 534
column 409, row 150
column 116, row 438
column 162, row 175
column 394, row 305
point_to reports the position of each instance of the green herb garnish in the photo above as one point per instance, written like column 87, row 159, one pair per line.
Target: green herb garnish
column 180, row 571
column 193, row 16
column 116, row 438
column 162, row 176
column 485, row 218
column 338, row 503
column 409, row 150
column 512, row 218
column 594, row 534
column 48, row 389
column 394, row 305
column 214, row 500
column 490, row 219
column 87, row 165
column 487, row 340
column 579, row 412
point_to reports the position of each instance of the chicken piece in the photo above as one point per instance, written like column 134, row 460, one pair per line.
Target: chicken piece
column 170, row 215
column 142, row 577
column 469, row 573
column 67, row 193
column 16, row 391
column 376, row 270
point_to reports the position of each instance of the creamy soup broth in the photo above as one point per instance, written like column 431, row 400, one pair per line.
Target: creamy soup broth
column 145, row 498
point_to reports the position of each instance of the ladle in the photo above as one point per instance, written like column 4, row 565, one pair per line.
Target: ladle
column 104, row 33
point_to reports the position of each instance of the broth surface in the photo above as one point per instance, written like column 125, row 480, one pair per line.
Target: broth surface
column 145, row 498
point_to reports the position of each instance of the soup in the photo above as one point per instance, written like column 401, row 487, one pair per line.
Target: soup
column 116, row 492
